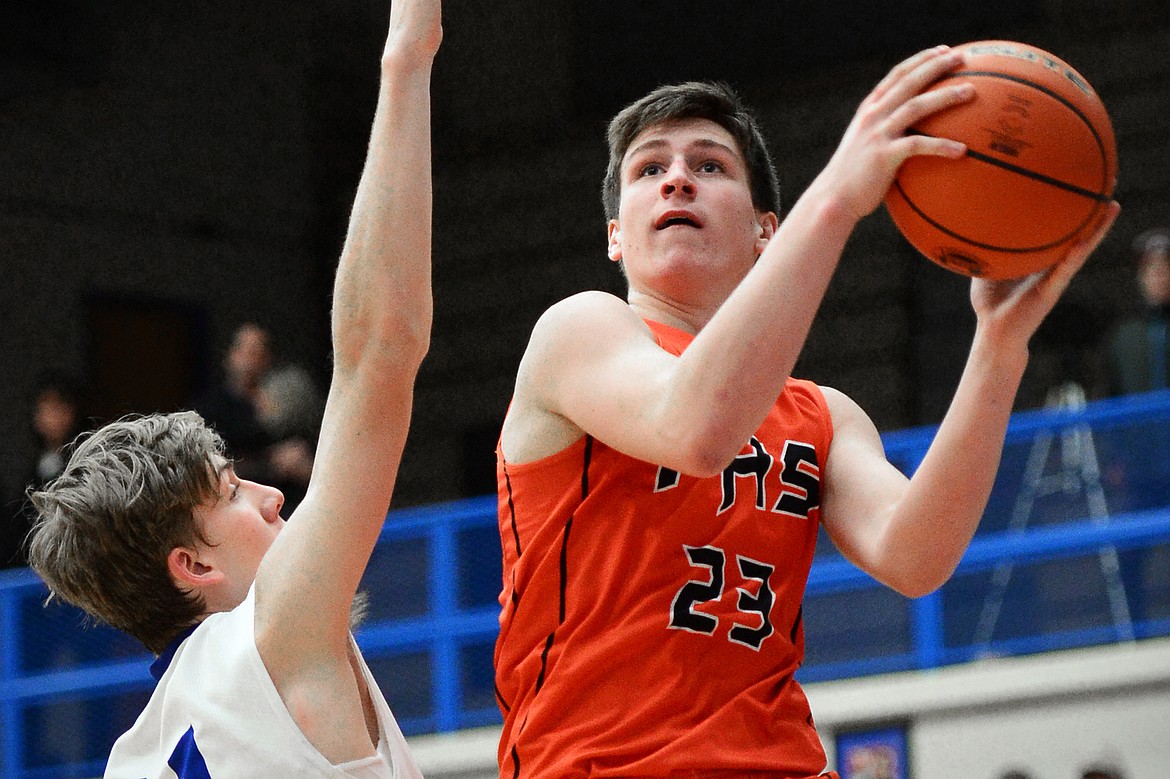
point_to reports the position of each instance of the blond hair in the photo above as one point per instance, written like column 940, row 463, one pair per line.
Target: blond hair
column 106, row 525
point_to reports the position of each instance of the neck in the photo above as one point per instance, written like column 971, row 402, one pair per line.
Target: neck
column 690, row 319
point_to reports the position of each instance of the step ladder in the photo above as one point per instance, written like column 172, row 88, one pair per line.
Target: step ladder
column 1076, row 471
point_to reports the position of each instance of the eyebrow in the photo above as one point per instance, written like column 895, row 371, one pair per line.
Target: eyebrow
column 658, row 143
column 222, row 470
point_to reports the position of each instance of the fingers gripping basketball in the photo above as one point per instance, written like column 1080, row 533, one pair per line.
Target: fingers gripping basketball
column 1039, row 172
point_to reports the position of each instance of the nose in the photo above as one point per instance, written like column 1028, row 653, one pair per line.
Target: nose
column 271, row 505
column 678, row 180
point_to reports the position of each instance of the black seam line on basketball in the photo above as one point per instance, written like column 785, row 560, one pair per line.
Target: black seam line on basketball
column 500, row 697
column 991, row 247
column 1026, row 173
column 511, row 506
column 1090, row 194
column 1054, row 95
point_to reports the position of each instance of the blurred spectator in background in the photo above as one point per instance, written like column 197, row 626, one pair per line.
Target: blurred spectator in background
column 231, row 406
column 1102, row 771
column 268, row 416
column 289, row 408
column 57, row 418
column 1137, row 351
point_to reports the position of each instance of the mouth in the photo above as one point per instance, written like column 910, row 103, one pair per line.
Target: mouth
column 677, row 219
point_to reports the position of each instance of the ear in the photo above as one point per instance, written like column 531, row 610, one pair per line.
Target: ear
column 614, row 233
column 189, row 572
column 766, row 224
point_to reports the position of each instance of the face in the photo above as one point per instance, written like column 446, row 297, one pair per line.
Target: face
column 240, row 524
column 1155, row 277
column 250, row 354
column 54, row 418
column 686, row 226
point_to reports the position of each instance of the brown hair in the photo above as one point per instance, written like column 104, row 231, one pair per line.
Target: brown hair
column 106, row 525
column 710, row 100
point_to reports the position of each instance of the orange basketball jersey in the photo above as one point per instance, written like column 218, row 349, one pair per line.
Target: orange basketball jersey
column 651, row 621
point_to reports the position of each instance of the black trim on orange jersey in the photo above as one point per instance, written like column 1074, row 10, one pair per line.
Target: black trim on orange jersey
column 585, row 467
column 548, row 644
column 796, row 624
column 500, row 697
column 511, row 506
column 564, row 567
column 569, row 525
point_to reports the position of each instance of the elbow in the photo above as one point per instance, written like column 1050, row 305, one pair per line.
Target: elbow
column 705, row 464
column 918, row 582
column 915, row 590
column 702, row 455
column 412, row 339
column 396, row 342
column 405, row 343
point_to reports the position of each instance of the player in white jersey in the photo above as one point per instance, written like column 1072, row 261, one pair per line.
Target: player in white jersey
column 216, row 712
column 150, row 529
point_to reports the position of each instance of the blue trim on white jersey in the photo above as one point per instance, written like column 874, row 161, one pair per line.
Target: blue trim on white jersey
column 187, row 761
column 163, row 661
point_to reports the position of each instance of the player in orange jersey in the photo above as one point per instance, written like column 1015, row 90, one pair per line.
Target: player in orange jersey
column 662, row 478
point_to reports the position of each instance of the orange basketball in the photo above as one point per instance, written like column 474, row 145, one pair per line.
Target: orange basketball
column 1040, row 167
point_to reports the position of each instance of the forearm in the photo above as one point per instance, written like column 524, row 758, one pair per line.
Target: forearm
column 781, row 295
column 730, row 376
column 936, row 518
column 382, row 295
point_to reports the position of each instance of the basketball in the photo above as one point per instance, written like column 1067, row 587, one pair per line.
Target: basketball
column 1040, row 167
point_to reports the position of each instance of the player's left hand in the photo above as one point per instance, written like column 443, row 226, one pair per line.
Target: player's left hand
column 1016, row 307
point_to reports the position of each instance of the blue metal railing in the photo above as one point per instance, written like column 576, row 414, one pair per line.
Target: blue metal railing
column 66, row 691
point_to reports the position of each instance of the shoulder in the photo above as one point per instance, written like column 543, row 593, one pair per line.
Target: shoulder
column 838, row 402
column 580, row 328
column 583, row 313
column 576, row 344
column 849, row 420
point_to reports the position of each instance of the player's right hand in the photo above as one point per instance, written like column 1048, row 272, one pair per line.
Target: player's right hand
column 876, row 142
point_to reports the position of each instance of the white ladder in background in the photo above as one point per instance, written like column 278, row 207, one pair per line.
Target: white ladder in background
column 1078, row 470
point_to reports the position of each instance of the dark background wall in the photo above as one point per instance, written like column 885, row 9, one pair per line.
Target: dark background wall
column 167, row 171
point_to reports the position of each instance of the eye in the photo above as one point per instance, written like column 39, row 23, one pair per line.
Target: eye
column 234, row 487
column 650, row 169
column 711, row 166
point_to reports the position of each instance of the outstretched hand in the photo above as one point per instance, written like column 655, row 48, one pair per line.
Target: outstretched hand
column 876, row 142
column 1018, row 306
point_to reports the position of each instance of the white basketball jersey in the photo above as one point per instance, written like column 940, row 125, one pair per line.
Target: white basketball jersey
column 216, row 714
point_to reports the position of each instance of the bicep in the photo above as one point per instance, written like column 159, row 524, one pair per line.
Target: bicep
column 862, row 488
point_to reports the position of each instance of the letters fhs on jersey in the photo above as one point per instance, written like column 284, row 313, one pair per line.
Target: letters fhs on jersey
column 799, row 478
